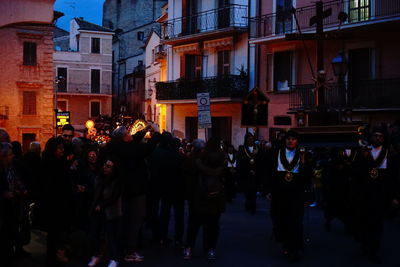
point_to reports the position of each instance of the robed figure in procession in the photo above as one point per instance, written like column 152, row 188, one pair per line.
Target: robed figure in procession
column 336, row 187
column 288, row 179
column 374, row 190
column 249, row 171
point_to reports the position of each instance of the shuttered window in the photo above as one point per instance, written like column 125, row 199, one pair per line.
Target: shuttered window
column 30, row 58
column 95, row 81
column 95, row 45
column 94, row 109
column 193, row 66
column 224, row 62
column 29, row 103
column 283, row 70
column 62, row 79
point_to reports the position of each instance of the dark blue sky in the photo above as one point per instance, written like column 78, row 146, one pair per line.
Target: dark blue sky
column 90, row 10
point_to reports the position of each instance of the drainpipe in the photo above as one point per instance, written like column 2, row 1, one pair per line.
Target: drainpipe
column 172, row 118
column 248, row 44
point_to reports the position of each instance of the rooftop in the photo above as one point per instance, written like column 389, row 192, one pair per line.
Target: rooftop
column 85, row 25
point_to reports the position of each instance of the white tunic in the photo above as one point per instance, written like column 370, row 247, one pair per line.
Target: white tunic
column 289, row 156
column 375, row 154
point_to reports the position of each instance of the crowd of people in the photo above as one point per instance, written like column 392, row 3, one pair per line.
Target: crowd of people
column 112, row 191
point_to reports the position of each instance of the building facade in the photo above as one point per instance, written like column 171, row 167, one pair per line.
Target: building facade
column 156, row 71
column 26, row 76
column 83, row 71
column 206, row 52
column 358, row 36
column 133, row 22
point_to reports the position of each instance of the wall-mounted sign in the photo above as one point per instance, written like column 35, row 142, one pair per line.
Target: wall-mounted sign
column 62, row 118
column 203, row 110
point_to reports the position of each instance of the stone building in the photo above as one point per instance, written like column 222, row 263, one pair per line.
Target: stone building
column 361, row 87
column 26, row 72
column 83, row 71
column 206, row 52
column 132, row 21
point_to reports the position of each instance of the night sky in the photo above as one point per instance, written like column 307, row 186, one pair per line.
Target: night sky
column 90, row 10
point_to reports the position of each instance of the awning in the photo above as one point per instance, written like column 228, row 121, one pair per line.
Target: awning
column 224, row 42
column 187, row 48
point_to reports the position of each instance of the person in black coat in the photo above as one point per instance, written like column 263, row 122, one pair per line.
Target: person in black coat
column 131, row 153
column 249, row 171
column 336, row 187
column 206, row 186
column 108, row 203
column 86, row 175
column 373, row 189
column 288, row 180
column 55, row 201
column 12, row 193
column 166, row 168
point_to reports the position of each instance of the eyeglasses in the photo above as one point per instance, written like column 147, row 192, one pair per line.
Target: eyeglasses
column 67, row 135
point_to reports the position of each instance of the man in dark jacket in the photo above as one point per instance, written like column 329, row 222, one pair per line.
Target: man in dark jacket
column 374, row 188
column 207, row 201
column 167, row 181
column 287, row 183
column 131, row 153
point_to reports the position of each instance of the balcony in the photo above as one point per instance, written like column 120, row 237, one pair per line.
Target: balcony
column 81, row 89
column 280, row 23
column 229, row 18
column 160, row 52
column 358, row 95
column 229, row 86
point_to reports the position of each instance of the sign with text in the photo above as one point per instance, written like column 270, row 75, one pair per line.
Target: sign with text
column 203, row 110
column 62, row 118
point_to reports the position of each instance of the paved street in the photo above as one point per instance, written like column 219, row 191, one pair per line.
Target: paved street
column 245, row 241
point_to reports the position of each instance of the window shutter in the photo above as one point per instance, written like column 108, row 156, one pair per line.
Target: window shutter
column 198, row 60
column 182, row 65
column 220, row 65
column 62, row 83
column 29, row 103
column 94, row 109
column 29, row 54
column 95, row 81
column 96, row 45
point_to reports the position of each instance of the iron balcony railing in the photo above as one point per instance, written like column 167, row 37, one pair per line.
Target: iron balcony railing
column 82, row 88
column 359, row 11
column 233, row 86
column 206, row 21
column 368, row 94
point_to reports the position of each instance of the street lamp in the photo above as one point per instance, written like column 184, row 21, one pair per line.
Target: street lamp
column 339, row 65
